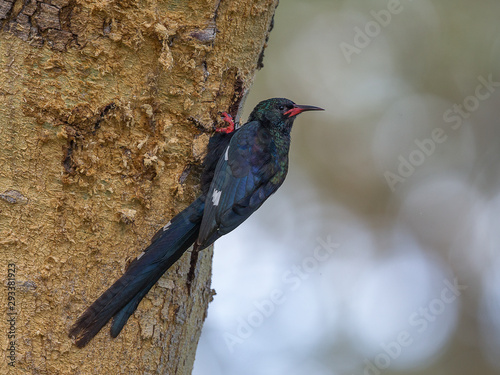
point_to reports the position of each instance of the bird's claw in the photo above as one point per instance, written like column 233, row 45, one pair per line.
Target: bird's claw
column 228, row 129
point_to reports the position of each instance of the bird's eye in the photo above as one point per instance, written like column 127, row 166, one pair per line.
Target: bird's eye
column 281, row 107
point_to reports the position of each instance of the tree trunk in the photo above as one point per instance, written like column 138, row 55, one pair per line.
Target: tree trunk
column 103, row 107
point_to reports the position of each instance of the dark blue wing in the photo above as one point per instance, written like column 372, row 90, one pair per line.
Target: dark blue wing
column 247, row 173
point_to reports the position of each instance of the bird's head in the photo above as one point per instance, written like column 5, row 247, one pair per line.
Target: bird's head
column 279, row 112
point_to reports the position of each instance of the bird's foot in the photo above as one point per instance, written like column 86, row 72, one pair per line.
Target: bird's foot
column 228, row 129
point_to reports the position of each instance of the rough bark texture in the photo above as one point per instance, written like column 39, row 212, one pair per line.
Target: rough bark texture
column 102, row 111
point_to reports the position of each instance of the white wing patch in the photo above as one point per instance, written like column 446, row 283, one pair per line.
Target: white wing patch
column 216, row 197
column 226, row 155
column 167, row 225
column 140, row 255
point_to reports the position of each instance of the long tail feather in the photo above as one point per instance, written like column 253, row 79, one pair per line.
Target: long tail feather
column 123, row 297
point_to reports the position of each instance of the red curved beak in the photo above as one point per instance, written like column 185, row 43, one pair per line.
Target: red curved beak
column 301, row 108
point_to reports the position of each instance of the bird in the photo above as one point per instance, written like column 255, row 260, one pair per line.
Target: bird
column 243, row 167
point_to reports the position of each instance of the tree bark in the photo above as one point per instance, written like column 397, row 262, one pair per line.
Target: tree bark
column 105, row 111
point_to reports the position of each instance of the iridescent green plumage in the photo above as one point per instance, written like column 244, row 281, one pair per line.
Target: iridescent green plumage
column 254, row 166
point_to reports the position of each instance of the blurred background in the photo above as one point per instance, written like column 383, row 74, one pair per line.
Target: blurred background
column 380, row 253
